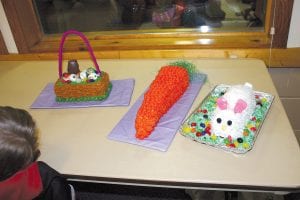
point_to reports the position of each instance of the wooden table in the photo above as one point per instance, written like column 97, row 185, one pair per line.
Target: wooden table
column 74, row 141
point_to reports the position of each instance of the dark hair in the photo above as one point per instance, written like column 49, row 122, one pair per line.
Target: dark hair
column 18, row 141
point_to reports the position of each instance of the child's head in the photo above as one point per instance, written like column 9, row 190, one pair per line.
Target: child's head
column 18, row 141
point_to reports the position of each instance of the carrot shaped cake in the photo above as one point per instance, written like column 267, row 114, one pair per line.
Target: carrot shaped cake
column 168, row 86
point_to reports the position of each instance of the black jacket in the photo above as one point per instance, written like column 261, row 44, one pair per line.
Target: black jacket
column 55, row 186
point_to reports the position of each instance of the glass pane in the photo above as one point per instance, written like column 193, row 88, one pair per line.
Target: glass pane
column 57, row 16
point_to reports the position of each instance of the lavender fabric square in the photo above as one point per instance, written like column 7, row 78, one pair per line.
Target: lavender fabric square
column 120, row 96
column 162, row 136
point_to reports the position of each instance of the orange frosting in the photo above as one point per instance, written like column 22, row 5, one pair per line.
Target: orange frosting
column 169, row 85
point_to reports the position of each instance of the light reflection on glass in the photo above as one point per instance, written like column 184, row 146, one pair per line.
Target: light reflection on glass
column 204, row 41
column 184, row 42
column 204, row 29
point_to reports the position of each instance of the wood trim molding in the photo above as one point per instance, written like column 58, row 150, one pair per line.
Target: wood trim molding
column 273, row 58
column 232, row 40
column 3, row 48
column 23, row 22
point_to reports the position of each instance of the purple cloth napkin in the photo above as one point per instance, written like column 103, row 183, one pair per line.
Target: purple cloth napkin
column 162, row 136
column 120, row 96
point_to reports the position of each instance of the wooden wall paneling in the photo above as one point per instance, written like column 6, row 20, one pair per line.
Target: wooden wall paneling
column 23, row 22
column 3, row 48
column 283, row 12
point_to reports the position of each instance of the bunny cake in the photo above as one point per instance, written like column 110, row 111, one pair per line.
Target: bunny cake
column 229, row 117
column 233, row 111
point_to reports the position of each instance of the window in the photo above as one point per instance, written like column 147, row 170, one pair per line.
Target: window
column 116, row 25
column 57, row 16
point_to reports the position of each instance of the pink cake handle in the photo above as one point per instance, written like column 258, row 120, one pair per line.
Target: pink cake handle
column 61, row 45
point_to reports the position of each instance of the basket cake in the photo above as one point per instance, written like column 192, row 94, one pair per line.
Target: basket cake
column 90, row 84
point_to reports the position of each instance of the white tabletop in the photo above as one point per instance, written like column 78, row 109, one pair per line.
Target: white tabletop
column 74, row 141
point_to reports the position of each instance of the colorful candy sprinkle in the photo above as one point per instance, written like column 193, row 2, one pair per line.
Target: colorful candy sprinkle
column 186, row 129
column 213, row 137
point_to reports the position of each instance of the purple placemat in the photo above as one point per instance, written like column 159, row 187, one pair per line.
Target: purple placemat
column 120, row 96
column 162, row 136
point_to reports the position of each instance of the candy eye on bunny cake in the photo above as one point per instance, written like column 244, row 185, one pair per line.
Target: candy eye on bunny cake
column 229, row 117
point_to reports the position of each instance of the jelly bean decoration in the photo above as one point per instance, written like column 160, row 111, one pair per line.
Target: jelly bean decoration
column 229, row 138
column 259, row 104
column 207, row 130
column 213, row 137
column 246, row 145
column 240, row 140
column 236, row 143
column 226, row 141
column 186, row 129
column 257, row 124
column 246, row 133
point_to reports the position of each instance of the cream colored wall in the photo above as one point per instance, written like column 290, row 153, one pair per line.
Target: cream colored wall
column 287, row 82
column 6, row 32
column 294, row 34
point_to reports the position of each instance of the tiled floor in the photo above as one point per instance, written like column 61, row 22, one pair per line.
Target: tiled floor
column 287, row 81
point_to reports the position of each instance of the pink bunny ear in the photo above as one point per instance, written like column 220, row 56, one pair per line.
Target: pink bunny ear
column 222, row 103
column 240, row 106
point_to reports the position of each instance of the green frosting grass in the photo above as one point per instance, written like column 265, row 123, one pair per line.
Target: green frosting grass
column 190, row 67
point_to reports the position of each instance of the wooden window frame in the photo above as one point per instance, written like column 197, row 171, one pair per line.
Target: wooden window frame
column 29, row 37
